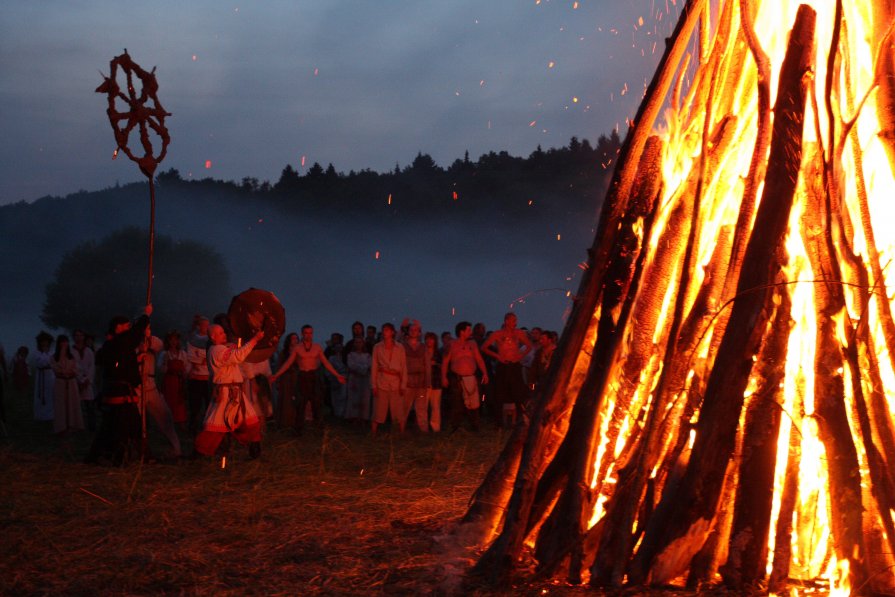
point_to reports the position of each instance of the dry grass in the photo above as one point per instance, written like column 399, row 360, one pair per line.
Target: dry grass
column 333, row 512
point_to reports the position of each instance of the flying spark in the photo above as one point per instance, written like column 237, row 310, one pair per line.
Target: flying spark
column 208, row 164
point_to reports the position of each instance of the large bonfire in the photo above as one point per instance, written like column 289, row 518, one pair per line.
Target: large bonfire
column 720, row 405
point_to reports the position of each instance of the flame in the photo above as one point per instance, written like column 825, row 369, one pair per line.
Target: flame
column 863, row 162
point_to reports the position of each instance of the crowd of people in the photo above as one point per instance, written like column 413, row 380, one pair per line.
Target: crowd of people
column 207, row 387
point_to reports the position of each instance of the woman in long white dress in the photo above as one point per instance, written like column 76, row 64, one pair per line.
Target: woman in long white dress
column 67, row 414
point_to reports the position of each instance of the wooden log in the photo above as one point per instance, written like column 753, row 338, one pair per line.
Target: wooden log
column 665, row 426
column 883, row 14
column 552, row 408
column 704, row 566
column 682, row 521
column 777, row 583
column 758, row 163
column 865, row 287
column 622, row 273
column 616, row 542
column 747, row 556
column 829, row 386
column 553, row 405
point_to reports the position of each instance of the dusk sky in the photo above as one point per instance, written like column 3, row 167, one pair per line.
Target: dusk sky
column 253, row 86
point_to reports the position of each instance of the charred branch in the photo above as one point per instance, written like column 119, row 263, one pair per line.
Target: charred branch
column 682, row 522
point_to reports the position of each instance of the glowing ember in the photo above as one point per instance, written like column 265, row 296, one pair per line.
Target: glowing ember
column 207, row 164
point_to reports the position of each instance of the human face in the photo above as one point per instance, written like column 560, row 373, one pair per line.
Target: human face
column 388, row 333
column 414, row 331
column 465, row 333
column 510, row 322
column 357, row 330
column 307, row 335
column 172, row 343
column 217, row 335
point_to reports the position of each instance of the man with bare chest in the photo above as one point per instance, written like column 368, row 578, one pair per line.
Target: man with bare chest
column 309, row 357
column 458, row 375
column 511, row 345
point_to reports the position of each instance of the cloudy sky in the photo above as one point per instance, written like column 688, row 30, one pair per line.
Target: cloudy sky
column 255, row 85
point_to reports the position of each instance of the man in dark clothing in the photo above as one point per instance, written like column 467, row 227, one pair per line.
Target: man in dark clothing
column 120, row 428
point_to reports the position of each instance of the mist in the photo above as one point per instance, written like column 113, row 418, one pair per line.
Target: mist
column 327, row 269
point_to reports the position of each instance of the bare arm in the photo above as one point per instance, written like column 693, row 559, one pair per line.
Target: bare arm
column 445, row 367
column 480, row 362
column 284, row 366
column 491, row 339
column 329, row 366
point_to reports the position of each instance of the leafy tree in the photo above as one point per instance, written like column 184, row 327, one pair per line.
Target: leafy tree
column 95, row 281
column 288, row 179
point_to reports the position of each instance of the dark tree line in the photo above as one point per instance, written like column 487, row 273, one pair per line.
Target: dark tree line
column 568, row 179
column 512, row 208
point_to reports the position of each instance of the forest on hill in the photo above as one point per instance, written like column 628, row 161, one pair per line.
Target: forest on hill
column 466, row 241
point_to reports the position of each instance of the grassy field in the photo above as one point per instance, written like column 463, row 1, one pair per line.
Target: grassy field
column 332, row 512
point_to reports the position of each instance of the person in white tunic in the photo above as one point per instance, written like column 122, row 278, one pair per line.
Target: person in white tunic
column 229, row 412
column 44, row 379
column 67, row 400
column 388, row 380
column 86, row 360
column 150, row 397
